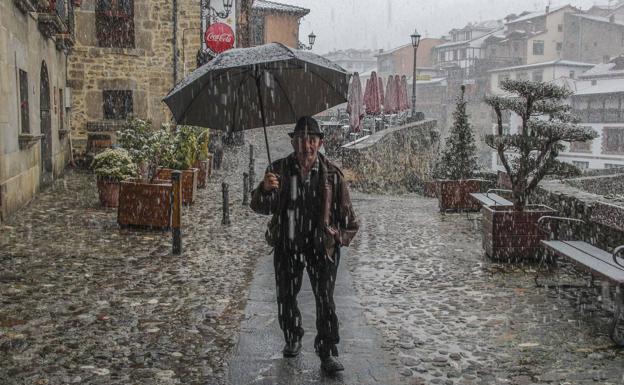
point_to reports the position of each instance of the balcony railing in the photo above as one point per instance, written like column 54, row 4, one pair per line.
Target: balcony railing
column 56, row 20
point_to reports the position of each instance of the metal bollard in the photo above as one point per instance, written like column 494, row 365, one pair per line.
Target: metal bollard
column 245, row 189
column 252, row 173
column 226, row 204
column 251, row 153
column 176, row 212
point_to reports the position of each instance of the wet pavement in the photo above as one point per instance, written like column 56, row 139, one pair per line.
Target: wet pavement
column 85, row 302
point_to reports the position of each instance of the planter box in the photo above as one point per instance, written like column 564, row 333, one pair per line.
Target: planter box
column 142, row 203
column 513, row 235
column 455, row 194
column 189, row 182
column 203, row 167
column 108, row 191
column 430, row 189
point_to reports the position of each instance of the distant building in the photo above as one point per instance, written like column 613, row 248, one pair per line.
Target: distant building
column 276, row 22
column 593, row 39
column 35, row 39
column 354, row 60
column 599, row 102
column 400, row 60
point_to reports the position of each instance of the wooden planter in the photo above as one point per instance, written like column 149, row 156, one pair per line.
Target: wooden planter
column 513, row 235
column 203, row 167
column 430, row 189
column 189, row 182
column 454, row 195
column 142, row 203
column 108, row 190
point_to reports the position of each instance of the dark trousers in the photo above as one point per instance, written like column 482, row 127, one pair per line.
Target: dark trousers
column 322, row 273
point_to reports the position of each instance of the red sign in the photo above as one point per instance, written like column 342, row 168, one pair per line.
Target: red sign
column 219, row 37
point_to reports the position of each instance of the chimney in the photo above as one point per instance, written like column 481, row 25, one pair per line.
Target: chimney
column 547, row 9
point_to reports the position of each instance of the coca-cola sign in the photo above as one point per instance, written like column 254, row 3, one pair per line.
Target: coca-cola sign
column 219, row 37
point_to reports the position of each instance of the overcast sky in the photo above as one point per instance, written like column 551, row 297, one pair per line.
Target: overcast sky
column 340, row 24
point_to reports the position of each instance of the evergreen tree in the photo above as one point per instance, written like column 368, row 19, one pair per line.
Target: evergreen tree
column 459, row 158
column 529, row 155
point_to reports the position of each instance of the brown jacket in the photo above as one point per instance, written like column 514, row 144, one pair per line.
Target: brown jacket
column 336, row 208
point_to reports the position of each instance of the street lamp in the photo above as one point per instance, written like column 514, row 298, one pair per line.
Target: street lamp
column 311, row 40
column 415, row 42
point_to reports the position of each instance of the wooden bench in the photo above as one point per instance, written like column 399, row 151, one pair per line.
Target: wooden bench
column 597, row 262
column 490, row 199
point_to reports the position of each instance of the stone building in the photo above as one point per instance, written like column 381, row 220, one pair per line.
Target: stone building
column 130, row 54
column 35, row 101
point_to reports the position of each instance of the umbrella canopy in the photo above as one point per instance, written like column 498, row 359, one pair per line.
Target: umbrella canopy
column 388, row 105
column 405, row 105
column 396, row 94
column 381, row 92
column 246, row 88
column 373, row 107
column 355, row 109
column 367, row 95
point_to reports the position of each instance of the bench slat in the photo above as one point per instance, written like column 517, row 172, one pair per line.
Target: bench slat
column 590, row 257
column 491, row 199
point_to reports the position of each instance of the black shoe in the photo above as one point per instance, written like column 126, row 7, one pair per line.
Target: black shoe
column 292, row 349
column 331, row 365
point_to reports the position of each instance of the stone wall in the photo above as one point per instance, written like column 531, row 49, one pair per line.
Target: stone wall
column 24, row 47
column 600, row 185
column 573, row 202
column 398, row 158
column 147, row 69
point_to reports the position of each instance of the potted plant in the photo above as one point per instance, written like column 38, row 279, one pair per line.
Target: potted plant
column 455, row 170
column 145, row 201
column 183, row 153
column 111, row 166
column 527, row 157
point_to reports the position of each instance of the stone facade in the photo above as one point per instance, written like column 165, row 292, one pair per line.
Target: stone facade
column 34, row 145
column 145, row 70
column 398, row 158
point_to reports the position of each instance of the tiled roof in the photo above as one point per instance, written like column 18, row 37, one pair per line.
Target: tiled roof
column 568, row 63
column 536, row 14
column 271, row 6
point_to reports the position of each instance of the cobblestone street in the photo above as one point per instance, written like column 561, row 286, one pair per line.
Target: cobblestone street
column 85, row 302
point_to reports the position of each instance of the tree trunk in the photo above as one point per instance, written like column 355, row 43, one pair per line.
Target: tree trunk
column 243, row 30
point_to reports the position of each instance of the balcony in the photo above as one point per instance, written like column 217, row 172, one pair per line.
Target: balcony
column 25, row 5
column 56, row 19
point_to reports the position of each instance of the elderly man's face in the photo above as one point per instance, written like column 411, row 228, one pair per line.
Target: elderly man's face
column 306, row 148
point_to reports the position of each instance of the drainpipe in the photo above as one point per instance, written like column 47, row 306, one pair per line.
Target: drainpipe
column 175, row 42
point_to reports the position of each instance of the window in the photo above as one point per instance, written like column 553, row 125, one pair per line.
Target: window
column 114, row 23
column 580, row 146
column 594, row 82
column 613, row 140
column 468, row 35
column 581, row 165
column 559, row 46
column 572, row 74
column 117, row 104
column 463, row 53
column 537, row 76
column 613, row 165
column 454, row 54
column 560, row 27
column 538, row 47
column 23, row 95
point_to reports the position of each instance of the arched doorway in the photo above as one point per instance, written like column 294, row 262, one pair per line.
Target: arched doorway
column 46, row 126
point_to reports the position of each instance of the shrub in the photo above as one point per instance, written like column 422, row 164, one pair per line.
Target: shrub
column 115, row 164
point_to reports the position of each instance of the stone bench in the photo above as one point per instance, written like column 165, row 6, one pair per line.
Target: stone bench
column 490, row 199
column 594, row 260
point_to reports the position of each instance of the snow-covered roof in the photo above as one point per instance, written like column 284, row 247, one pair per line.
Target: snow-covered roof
column 606, row 87
column 271, row 6
column 534, row 15
column 603, row 70
column 566, row 63
column 383, row 53
column 600, row 19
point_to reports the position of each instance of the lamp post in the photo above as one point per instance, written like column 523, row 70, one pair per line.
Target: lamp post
column 311, row 40
column 415, row 42
column 207, row 12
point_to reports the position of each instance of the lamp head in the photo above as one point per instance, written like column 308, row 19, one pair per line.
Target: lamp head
column 415, row 39
column 311, row 38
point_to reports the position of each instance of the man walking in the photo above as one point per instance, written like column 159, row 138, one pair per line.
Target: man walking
column 312, row 217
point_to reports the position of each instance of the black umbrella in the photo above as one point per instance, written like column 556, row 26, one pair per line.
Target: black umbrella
column 245, row 88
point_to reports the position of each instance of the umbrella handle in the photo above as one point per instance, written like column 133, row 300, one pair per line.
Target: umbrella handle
column 266, row 139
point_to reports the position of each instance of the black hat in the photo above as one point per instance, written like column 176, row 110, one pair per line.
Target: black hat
column 309, row 125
